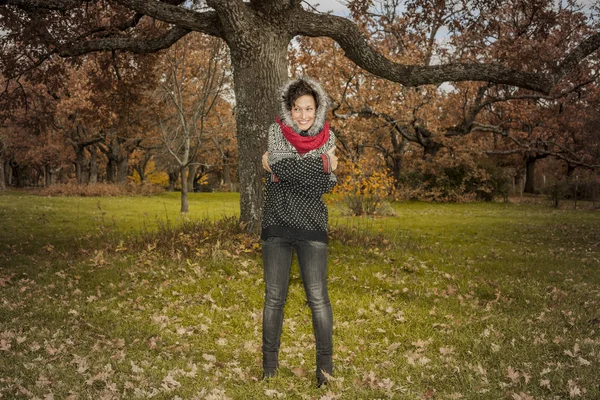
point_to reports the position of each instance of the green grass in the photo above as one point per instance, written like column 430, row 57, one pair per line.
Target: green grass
column 124, row 298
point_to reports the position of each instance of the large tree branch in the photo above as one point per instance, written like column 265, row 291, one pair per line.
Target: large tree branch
column 469, row 125
column 183, row 19
column 206, row 22
column 570, row 62
column 137, row 45
column 348, row 36
column 232, row 13
column 59, row 5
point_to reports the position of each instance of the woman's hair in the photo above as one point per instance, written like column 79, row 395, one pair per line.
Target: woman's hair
column 298, row 89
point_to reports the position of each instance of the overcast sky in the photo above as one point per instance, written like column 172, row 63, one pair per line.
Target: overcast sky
column 336, row 6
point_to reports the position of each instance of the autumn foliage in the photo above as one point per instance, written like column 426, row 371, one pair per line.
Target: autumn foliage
column 170, row 115
column 364, row 189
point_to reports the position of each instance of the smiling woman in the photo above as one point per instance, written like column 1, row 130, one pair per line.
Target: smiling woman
column 300, row 163
column 303, row 112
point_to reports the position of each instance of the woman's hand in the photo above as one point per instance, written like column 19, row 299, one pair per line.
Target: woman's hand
column 265, row 162
column 333, row 158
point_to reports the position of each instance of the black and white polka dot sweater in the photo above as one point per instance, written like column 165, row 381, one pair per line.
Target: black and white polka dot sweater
column 293, row 203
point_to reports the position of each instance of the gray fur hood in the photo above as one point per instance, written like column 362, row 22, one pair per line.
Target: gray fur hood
column 320, row 114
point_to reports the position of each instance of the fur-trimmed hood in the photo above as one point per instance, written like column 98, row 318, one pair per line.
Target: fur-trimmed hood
column 320, row 114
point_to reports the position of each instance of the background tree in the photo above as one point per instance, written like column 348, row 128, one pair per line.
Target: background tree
column 258, row 34
column 434, row 118
column 188, row 93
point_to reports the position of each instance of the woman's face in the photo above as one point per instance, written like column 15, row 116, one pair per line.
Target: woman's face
column 303, row 112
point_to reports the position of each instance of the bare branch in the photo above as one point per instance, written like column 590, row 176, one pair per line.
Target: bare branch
column 504, row 152
column 478, row 127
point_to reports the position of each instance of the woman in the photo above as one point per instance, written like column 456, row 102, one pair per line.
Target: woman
column 300, row 161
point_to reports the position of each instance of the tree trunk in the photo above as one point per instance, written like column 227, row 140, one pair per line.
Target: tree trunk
column 259, row 72
column 430, row 150
column 123, row 166
column 173, row 175
column 227, row 174
column 36, row 174
column 48, row 174
column 570, row 170
column 397, row 156
column 81, row 164
column 2, row 173
column 184, row 190
column 112, row 153
column 110, row 171
column 530, row 175
column 8, row 173
column 141, row 166
column 191, row 177
column 93, row 165
column 19, row 176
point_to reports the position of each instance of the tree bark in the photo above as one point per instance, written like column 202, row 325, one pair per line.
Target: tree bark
column 141, row 166
column 570, row 170
column 47, row 175
column 8, row 173
column 184, row 190
column 173, row 175
column 530, row 174
column 2, row 174
column 112, row 154
column 81, row 164
column 110, row 171
column 123, row 166
column 431, row 150
column 226, row 178
column 19, row 177
column 191, row 177
column 259, row 72
column 118, row 152
column 93, row 165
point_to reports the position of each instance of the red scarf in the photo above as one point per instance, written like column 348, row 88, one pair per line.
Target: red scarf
column 304, row 144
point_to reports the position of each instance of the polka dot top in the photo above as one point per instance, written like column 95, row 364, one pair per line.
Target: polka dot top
column 293, row 205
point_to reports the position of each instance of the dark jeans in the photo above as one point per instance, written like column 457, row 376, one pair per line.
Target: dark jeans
column 312, row 259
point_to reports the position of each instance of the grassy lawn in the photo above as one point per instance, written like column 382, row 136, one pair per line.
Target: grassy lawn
column 109, row 298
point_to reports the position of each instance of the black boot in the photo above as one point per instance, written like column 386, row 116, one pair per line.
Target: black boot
column 270, row 364
column 268, row 374
column 324, row 367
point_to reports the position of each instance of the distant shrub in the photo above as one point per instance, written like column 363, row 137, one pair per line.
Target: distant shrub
column 101, row 189
column 555, row 192
column 577, row 190
column 365, row 190
column 454, row 179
